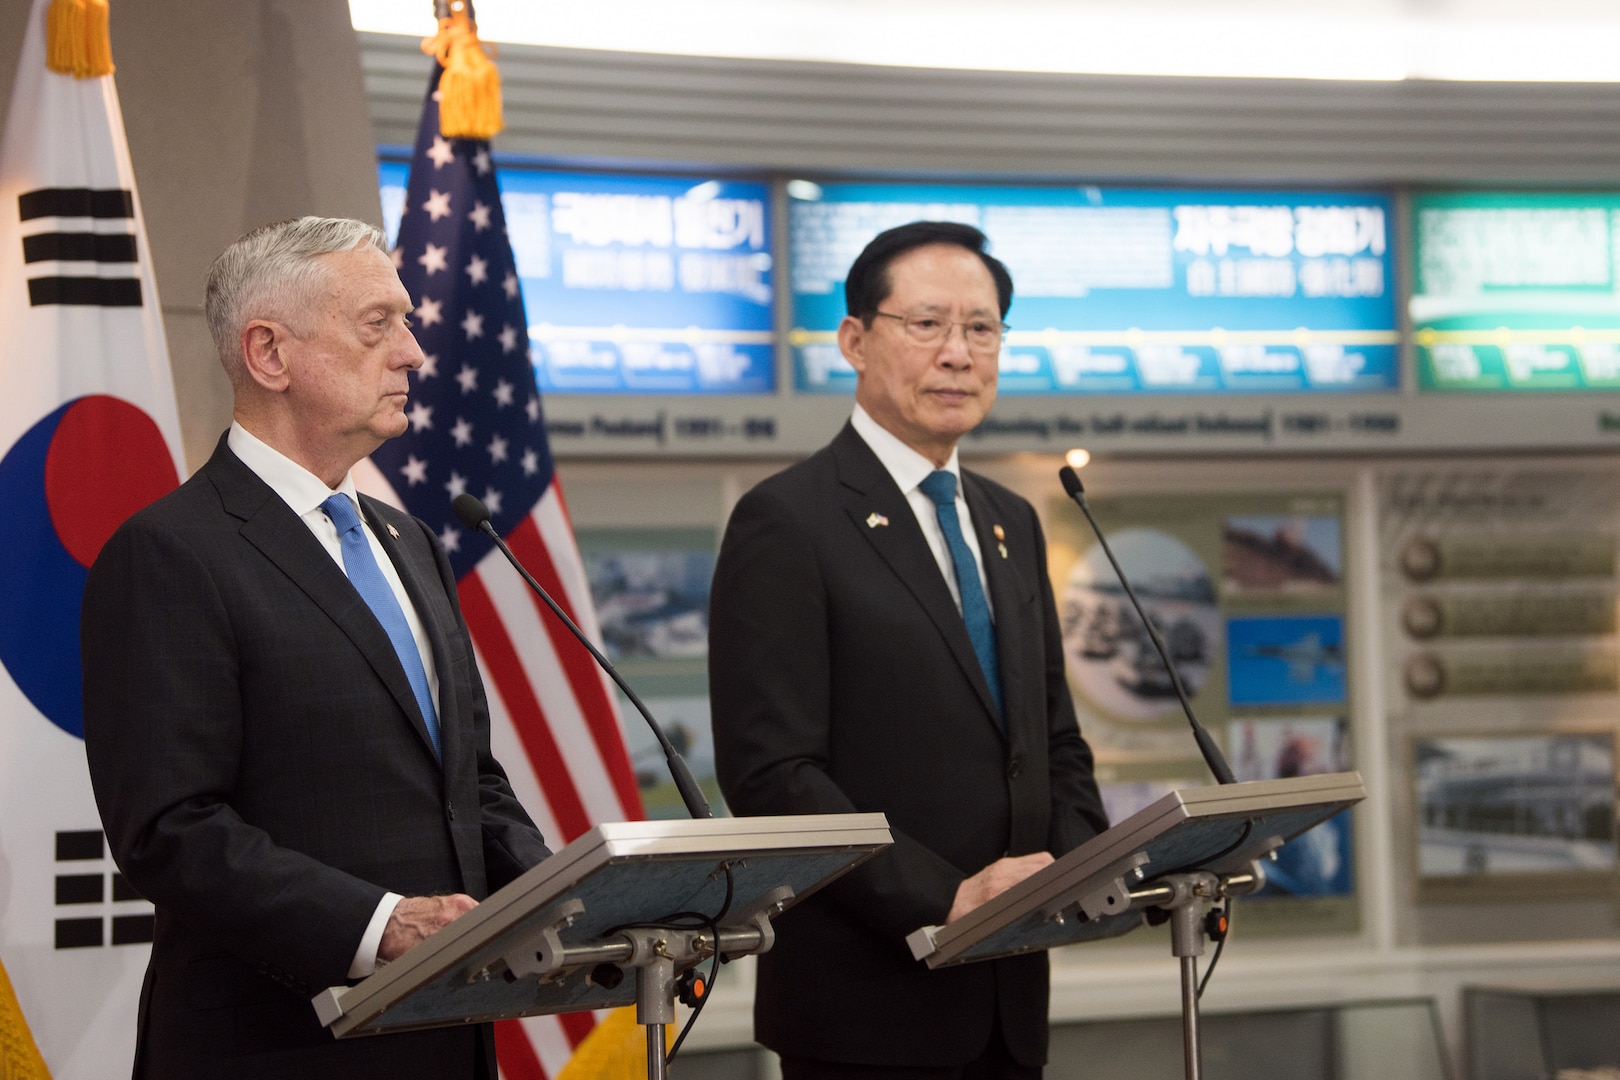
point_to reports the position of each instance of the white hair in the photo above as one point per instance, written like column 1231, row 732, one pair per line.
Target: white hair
column 271, row 273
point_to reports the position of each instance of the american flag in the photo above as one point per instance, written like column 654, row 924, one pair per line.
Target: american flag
column 476, row 426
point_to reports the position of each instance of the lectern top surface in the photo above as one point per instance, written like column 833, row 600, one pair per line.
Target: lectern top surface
column 622, row 874
column 1221, row 828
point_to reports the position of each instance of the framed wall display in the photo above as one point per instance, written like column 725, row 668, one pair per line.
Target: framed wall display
column 1529, row 816
column 1248, row 593
column 1498, row 622
column 651, row 591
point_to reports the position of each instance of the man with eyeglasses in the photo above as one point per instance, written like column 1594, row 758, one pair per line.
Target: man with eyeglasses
column 883, row 637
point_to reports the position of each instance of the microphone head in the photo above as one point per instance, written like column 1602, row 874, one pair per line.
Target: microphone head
column 470, row 511
column 1071, row 481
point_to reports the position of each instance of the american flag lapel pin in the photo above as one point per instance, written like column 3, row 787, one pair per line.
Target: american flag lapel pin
column 393, row 531
column 874, row 519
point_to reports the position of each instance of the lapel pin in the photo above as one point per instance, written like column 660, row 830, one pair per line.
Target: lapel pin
column 874, row 519
column 1001, row 534
column 393, row 531
column 1002, row 548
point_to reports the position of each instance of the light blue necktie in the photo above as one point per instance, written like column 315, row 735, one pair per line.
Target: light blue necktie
column 940, row 486
column 367, row 578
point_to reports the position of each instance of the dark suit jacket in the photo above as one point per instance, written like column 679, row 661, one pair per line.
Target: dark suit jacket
column 264, row 775
column 843, row 679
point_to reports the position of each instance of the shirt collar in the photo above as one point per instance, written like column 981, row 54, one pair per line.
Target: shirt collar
column 298, row 487
column 905, row 465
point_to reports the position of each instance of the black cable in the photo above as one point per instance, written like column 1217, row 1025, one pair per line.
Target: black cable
column 1219, row 945
column 1243, row 838
column 714, row 970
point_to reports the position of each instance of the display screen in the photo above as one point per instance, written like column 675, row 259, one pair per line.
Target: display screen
column 637, row 284
column 1516, row 291
column 1131, row 290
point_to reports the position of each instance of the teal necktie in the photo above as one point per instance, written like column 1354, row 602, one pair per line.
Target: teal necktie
column 367, row 578
column 940, row 486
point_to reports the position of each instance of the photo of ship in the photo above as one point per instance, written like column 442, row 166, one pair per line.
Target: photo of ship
column 1526, row 804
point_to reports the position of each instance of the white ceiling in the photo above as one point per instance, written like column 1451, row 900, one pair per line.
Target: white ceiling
column 1489, row 40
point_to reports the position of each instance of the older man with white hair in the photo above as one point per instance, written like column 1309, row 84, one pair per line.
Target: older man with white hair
column 287, row 734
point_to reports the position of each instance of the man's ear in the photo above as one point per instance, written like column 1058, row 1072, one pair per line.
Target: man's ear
column 852, row 342
column 264, row 354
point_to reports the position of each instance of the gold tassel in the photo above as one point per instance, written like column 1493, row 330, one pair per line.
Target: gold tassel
column 77, row 40
column 470, row 88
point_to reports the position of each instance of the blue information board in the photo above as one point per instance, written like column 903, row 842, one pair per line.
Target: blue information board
column 1132, row 290
column 637, row 284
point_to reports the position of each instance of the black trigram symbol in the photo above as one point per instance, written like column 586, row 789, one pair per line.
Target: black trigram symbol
column 82, row 887
column 85, row 247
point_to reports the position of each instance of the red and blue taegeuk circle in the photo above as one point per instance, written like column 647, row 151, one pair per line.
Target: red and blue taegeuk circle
column 65, row 486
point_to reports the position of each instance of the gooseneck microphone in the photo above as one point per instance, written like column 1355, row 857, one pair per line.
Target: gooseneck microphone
column 473, row 514
column 1206, row 744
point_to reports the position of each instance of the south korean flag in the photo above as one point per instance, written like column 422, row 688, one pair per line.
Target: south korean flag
column 88, row 434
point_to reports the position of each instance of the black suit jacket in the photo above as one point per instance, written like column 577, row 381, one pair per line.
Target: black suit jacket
column 843, row 679
column 264, row 774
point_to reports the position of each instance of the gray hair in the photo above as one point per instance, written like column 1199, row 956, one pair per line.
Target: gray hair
column 272, row 272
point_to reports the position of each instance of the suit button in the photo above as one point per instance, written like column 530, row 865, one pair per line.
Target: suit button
column 1014, row 767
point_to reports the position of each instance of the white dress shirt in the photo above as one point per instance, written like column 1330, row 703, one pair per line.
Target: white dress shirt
column 909, row 469
column 304, row 492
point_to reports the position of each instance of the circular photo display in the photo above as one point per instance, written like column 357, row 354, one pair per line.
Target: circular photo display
column 1110, row 655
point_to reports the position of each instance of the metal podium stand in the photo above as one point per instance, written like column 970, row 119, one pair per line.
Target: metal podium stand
column 1185, row 852
column 650, row 897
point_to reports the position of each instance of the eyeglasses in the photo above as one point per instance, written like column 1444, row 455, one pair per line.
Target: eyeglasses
column 981, row 335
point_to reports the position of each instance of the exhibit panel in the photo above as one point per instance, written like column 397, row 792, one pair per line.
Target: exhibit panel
column 1497, row 621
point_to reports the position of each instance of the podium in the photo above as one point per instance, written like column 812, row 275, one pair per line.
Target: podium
column 652, row 898
column 1185, row 852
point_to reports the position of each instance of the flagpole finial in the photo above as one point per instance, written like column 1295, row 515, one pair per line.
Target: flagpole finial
column 470, row 88
column 77, row 40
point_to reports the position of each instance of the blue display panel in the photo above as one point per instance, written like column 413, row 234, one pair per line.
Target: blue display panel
column 1134, row 291
column 637, row 284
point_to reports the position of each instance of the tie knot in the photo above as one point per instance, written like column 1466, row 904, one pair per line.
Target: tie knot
column 940, row 485
column 342, row 512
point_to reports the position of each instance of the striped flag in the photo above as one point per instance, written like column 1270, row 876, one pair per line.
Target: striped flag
column 89, row 433
column 476, row 426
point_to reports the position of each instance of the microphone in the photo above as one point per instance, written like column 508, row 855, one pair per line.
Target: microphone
column 473, row 514
column 1206, row 744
